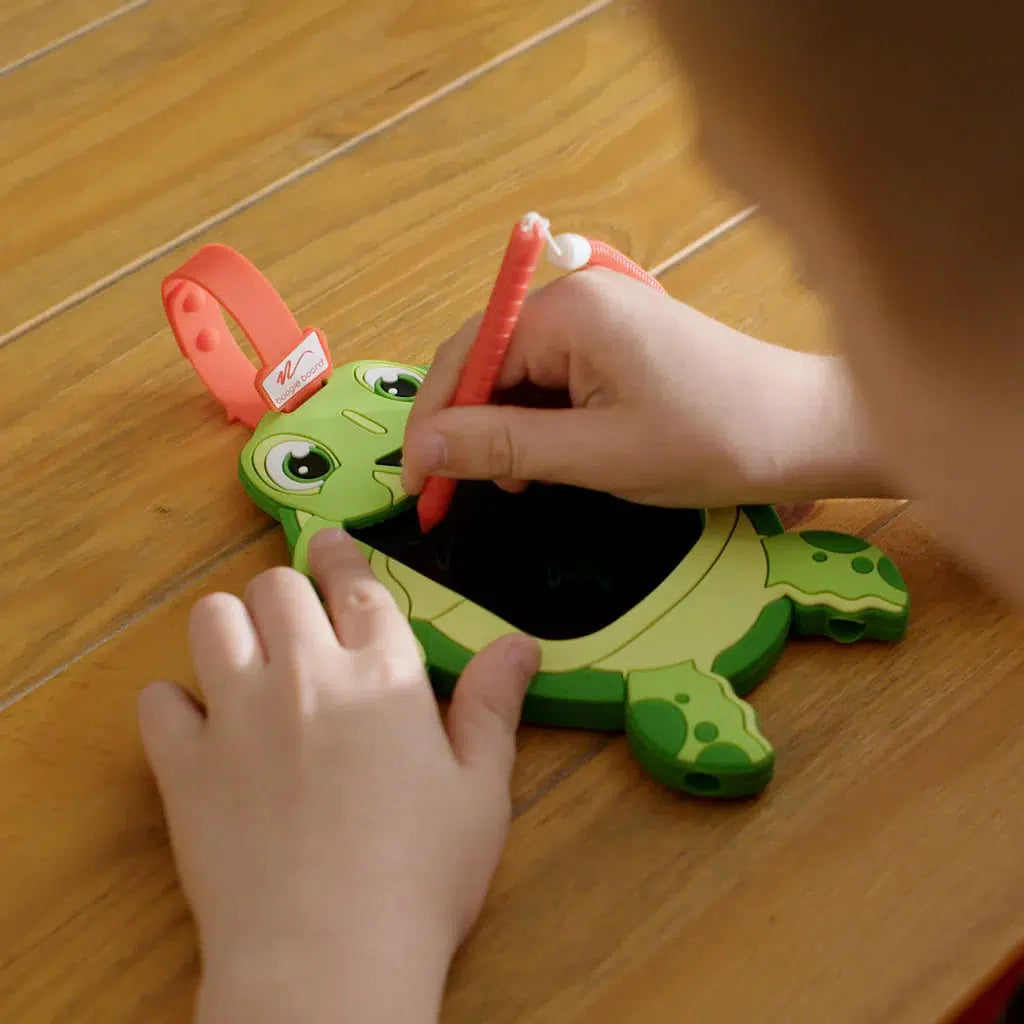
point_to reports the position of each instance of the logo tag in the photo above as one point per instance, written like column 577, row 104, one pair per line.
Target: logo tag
column 301, row 367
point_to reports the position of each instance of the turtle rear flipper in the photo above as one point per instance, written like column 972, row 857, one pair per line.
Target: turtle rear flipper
column 840, row 585
column 691, row 732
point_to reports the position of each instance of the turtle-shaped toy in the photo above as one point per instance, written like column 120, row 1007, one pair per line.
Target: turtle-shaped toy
column 655, row 621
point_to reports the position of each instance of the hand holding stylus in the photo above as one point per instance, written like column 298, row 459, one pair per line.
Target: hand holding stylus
column 486, row 357
column 669, row 406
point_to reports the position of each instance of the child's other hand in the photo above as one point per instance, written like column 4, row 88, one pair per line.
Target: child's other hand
column 335, row 838
column 670, row 407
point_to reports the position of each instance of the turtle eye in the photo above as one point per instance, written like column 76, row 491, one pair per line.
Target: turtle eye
column 298, row 465
column 397, row 382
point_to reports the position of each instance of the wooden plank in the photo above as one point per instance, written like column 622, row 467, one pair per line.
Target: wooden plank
column 751, row 276
column 862, row 516
column 878, row 879
column 127, row 471
column 28, row 26
column 136, row 133
column 102, row 933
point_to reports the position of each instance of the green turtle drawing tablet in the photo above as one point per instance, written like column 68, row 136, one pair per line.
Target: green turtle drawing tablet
column 652, row 621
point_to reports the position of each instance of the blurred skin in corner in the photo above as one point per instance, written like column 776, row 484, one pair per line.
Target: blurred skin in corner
column 884, row 140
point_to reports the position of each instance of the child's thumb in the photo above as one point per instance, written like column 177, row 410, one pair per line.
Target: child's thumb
column 504, row 442
column 487, row 703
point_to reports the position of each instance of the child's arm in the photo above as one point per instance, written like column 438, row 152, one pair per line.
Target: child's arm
column 335, row 838
column 324, row 984
column 669, row 407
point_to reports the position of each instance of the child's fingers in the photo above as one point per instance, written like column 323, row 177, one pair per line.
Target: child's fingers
column 487, row 703
column 288, row 615
column 513, row 486
column 363, row 612
column 224, row 646
column 548, row 329
column 171, row 724
column 505, row 442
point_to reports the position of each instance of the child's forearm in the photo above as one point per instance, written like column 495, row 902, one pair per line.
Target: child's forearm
column 806, row 435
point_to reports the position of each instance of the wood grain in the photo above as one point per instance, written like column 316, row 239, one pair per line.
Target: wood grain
column 127, row 470
column 138, row 132
column 27, row 26
column 878, row 879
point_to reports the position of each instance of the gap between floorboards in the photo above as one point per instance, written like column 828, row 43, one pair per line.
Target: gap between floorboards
column 72, row 36
column 303, row 171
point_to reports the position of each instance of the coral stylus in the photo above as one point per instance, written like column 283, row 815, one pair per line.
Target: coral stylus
column 483, row 365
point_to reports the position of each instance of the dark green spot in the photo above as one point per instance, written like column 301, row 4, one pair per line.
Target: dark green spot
column 837, row 543
column 683, row 698
column 863, row 565
column 820, row 556
column 706, row 732
column 891, row 574
column 661, row 725
column 723, row 757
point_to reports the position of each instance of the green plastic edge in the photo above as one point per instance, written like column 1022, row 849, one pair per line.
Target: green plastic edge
column 670, row 772
column 290, row 525
column 764, row 519
column 583, row 699
column 820, row 620
column 752, row 657
column 260, row 500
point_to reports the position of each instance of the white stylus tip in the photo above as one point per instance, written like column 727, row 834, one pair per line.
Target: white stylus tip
column 532, row 218
column 569, row 252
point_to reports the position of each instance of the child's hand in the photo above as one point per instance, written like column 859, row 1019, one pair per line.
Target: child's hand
column 334, row 838
column 669, row 406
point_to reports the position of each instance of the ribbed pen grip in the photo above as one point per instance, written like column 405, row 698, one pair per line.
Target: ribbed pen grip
column 603, row 255
column 480, row 374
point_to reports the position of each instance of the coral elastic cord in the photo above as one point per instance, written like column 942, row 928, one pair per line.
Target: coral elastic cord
column 574, row 252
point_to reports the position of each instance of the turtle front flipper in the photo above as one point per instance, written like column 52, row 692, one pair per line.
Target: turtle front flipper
column 840, row 585
column 691, row 732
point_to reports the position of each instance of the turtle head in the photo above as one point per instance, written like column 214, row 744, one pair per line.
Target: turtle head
column 338, row 455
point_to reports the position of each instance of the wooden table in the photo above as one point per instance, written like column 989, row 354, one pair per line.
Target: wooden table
column 370, row 158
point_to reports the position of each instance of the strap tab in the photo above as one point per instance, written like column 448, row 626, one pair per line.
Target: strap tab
column 294, row 363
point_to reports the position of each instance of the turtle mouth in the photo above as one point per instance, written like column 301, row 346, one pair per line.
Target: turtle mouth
column 392, row 459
